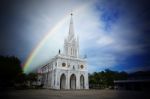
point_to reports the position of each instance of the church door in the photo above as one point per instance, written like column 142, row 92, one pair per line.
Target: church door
column 72, row 81
column 63, row 81
column 81, row 82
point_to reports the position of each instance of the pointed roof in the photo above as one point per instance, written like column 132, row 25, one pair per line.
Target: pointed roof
column 71, row 29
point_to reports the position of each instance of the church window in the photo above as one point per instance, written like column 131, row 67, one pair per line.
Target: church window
column 71, row 51
column 56, row 64
column 82, row 66
column 63, row 64
column 68, row 65
column 73, row 67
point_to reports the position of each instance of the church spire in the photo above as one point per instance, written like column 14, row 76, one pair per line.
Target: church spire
column 71, row 44
column 71, row 29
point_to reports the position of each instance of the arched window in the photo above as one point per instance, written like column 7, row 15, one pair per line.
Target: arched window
column 71, row 50
column 73, row 67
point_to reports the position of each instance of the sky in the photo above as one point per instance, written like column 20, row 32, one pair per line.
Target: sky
column 113, row 35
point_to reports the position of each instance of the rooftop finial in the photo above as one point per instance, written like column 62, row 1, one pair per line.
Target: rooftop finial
column 71, row 14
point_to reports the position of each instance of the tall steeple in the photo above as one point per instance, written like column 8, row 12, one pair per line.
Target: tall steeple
column 71, row 44
column 71, row 28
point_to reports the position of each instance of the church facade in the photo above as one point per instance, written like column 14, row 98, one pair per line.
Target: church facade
column 66, row 70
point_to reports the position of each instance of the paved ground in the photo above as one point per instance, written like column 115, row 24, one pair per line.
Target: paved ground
column 77, row 94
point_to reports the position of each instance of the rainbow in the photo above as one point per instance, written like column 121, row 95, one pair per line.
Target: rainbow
column 41, row 43
column 35, row 51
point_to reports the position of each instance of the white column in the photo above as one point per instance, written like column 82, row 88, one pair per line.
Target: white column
column 56, row 80
column 86, row 81
column 78, row 81
column 67, row 81
column 52, row 79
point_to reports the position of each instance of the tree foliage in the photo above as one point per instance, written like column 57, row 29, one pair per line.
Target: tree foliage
column 11, row 70
column 106, row 78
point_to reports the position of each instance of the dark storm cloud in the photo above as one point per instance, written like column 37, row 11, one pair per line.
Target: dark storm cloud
column 16, row 33
column 11, row 24
column 14, row 22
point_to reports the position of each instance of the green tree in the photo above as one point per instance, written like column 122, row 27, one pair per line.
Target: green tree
column 11, row 70
column 106, row 78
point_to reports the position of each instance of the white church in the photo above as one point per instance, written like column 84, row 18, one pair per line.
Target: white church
column 66, row 70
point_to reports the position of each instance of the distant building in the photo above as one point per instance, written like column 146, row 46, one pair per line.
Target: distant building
column 132, row 84
column 66, row 70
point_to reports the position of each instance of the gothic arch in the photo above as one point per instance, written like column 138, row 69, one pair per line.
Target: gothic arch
column 73, row 81
column 63, row 81
column 82, row 82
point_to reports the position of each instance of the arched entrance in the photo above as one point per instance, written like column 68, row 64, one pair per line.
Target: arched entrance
column 81, row 82
column 63, row 81
column 73, row 81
